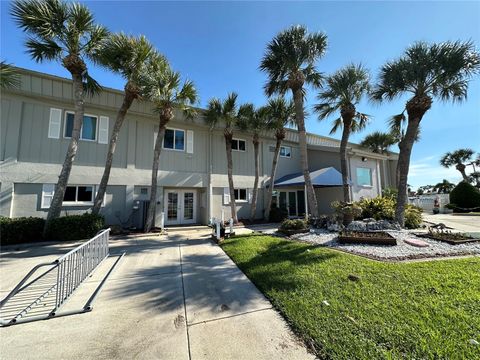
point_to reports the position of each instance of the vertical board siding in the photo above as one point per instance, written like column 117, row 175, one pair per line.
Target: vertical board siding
column 4, row 120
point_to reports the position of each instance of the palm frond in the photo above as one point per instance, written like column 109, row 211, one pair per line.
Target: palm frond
column 9, row 77
column 336, row 125
column 40, row 50
column 90, row 85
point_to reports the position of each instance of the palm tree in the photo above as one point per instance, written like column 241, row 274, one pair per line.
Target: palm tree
column 255, row 121
column 225, row 113
column 344, row 90
column 444, row 187
column 378, row 142
column 163, row 87
column 425, row 71
column 125, row 55
column 281, row 114
column 458, row 158
column 65, row 32
column 9, row 78
column 289, row 62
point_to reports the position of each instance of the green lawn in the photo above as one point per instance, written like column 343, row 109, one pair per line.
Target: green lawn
column 421, row 310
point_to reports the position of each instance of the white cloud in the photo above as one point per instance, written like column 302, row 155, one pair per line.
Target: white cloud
column 427, row 171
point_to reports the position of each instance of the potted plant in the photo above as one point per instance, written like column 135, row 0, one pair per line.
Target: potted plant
column 347, row 212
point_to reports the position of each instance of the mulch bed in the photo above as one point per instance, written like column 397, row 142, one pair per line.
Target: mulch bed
column 450, row 238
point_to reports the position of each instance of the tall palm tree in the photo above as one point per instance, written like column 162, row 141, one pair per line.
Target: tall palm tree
column 225, row 113
column 65, row 32
column 255, row 121
column 9, row 77
column 289, row 62
column 281, row 113
column 424, row 72
column 444, row 187
column 378, row 142
column 344, row 90
column 124, row 55
column 163, row 87
column 459, row 158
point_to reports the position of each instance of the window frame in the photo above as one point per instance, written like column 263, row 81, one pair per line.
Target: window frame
column 76, row 202
column 240, row 200
column 290, row 152
column 81, row 129
column 370, row 185
column 173, row 149
column 238, row 141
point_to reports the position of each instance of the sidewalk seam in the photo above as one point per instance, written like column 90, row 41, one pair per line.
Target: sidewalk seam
column 230, row 316
column 184, row 302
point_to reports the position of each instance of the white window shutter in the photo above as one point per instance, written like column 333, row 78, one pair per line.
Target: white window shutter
column 155, row 134
column 226, row 196
column 47, row 195
column 103, row 130
column 54, row 123
column 190, row 141
column 249, row 195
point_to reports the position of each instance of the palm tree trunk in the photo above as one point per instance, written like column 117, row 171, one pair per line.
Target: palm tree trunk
column 343, row 159
column 228, row 147
column 403, row 165
column 127, row 102
column 253, row 209
column 461, row 169
column 276, row 154
column 152, row 206
column 56, row 204
column 302, row 137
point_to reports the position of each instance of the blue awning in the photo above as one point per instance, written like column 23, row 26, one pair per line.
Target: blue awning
column 326, row 177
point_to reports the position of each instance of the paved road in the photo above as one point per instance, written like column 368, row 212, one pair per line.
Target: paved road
column 464, row 223
column 175, row 297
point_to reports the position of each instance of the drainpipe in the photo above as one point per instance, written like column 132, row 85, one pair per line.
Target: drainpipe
column 209, row 176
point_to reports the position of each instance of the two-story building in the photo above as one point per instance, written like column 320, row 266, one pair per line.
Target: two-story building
column 36, row 124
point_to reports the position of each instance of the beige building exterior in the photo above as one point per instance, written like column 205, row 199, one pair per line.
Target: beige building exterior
column 34, row 135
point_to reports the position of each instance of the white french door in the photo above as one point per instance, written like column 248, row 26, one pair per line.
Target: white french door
column 180, row 207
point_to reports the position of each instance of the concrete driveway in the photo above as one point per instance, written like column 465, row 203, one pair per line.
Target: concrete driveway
column 459, row 222
column 175, row 297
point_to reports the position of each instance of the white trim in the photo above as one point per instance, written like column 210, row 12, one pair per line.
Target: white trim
column 237, row 139
column 371, row 177
column 290, row 152
column 189, row 146
column 238, row 201
column 180, row 207
column 184, row 139
column 103, row 127
column 80, row 203
column 55, row 123
column 81, row 129
column 48, row 190
column 226, row 196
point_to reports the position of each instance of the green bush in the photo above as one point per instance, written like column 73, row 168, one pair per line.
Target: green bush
column 390, row 192
column 379, row 208
column 277, row 214
column 465, row 196
column 293, row 224
column 413, row 216
column 75, row 227
column 20, row 230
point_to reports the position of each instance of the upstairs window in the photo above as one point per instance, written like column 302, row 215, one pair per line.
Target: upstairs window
column 174, row 139
column 240, row 194
column 239, row 145
column 89, row 127
column 285, row 151
column 364, row 176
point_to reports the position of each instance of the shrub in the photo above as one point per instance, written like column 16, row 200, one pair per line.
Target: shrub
column 413, row 216
column 341, row 209
column 390, row 193
column 20, row 230
column 294, row 224
column 277, row 214
column 464, row 197
column 75, row 227
column 379, row 208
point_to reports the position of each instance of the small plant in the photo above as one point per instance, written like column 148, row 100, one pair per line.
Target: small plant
column 465, row 197
column 390, row 193
column 294, row 224
column 346, row 211
column 413, row 216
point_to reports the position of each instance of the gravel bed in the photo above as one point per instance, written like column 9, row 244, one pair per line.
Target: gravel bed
column 402, row 251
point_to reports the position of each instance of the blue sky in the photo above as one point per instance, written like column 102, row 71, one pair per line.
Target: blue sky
column 219, row 46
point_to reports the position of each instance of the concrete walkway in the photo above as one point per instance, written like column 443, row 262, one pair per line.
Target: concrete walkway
column 175, row 297
column 461, row 222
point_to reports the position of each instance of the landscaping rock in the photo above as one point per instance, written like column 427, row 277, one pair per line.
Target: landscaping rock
column 325, row 302
column 357, row 226
column 353, row 277
column 335, row 227
column 416, row 242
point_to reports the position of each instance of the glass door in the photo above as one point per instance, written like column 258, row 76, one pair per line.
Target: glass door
column 180, row 207
column 171, row 207
column 188, row 214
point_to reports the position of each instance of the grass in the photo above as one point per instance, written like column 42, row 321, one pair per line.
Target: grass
column 422, row 310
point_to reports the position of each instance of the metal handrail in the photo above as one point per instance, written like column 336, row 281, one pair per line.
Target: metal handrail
column 72, row 269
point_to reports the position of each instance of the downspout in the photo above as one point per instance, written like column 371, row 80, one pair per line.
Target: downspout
column 209, row 176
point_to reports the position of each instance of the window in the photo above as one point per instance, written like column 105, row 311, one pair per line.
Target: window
column 239, row 145
column 240, row 194
column 78, row 194
column 364, row 177
column 89, row 127
column 285, row 151
column 174, row 139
